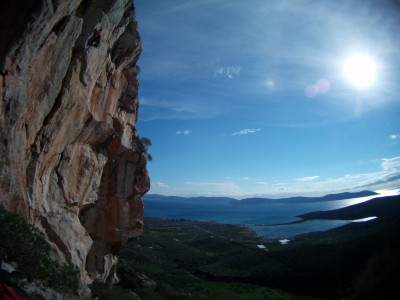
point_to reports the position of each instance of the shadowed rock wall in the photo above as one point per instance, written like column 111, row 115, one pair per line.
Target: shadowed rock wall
column 71, row 161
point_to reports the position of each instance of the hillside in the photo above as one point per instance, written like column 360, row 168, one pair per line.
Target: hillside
column 152, row 197
column 329, row 197
column 379, row 207
column 181, row 259
column 202, row 260
column 294, row 200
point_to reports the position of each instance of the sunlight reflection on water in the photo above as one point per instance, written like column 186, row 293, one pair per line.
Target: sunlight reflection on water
column 343, row 203
column 261, row 218
column 290, row 230
column 365, row 219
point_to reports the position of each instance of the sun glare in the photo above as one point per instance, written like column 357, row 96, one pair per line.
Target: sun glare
column 360, row 71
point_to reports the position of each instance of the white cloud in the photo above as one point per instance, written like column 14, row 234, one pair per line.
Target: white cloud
column 391, row 164
column 219, row 71
column 159, row 184
column 227, row 188
column 178, row 108
column 261, row 182
column 233, row 71
column 246, row 131
column 183, row 132
column 279, row 184
column 394, row 136
column 388, row 173
column 309, row 178
column 227, row 72
column 386, row 176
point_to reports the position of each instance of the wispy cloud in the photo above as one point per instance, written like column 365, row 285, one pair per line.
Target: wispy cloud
column 309, row 178
column 183, row 132
column 246, row 131
column 174, row 8
column 386, row 176
column 218, row 68
column 227, row 72
column 159, row 184
column 261, row 182
column 227, row 188
column 178, row 109
column 391, row 164
column 388, row 173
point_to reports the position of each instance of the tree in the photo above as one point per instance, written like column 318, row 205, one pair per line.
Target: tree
column 146, row 142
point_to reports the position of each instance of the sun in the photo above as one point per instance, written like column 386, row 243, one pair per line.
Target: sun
column 360, row 70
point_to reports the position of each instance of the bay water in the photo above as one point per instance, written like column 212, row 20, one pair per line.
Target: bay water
column 267, row 220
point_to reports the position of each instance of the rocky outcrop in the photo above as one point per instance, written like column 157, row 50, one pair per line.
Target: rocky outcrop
column 71, row 160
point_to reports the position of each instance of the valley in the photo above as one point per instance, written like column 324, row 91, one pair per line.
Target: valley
column 183, row 259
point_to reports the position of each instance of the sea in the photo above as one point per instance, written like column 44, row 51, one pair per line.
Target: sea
column 267, row 220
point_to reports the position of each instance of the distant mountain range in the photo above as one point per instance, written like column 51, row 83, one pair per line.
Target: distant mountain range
column 252, row 201
column 150, row 197
column 296, row 200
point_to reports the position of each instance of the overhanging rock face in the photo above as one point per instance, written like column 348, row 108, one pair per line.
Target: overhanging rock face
column 71, row 161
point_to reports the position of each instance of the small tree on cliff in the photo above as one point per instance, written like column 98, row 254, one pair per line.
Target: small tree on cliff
column 146, row 143
column 137, row 69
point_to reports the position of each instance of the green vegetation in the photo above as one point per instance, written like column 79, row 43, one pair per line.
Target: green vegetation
column 146, row 142
column 184, row 259
column 373, row 283
column 179, row 259
column 137, row 69
column 104, row 291
column 25, row 245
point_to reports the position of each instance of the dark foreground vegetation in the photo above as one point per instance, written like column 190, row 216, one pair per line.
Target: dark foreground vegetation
column 23, row 245
column 198, row 260
column 181, row 259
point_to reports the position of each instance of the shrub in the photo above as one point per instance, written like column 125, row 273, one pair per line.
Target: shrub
column 146, row 142
column 381, row 276
column 105, row 291
column 138, row 69
column 22, row 243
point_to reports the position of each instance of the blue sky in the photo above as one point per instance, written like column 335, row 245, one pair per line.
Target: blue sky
column 249, row 98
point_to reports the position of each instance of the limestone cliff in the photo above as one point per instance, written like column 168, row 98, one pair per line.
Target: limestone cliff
column 71, row 160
